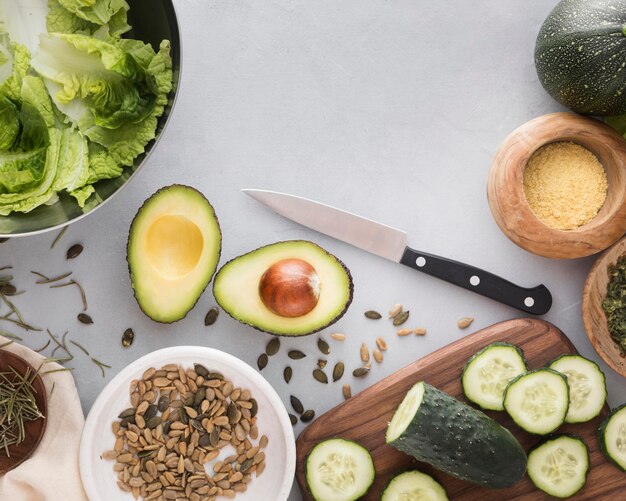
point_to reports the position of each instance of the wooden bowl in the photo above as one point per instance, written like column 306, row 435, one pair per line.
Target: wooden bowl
column 34, row 429
column 594, row 293
column 505, row 190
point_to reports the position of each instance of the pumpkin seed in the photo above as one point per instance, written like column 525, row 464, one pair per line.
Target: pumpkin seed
column 293, row 419
column 255, row 407
column 231, row 412
column 400, row 318
column 347, row 391
column 153, row 422
column 196, row 424
column 163, row 403
column 360, row 371
column 323, row 346
column 321, row 363
column 214, row 438
column 74, row 251
column 211, row 316
column 465, row 322
column 307, row 416
column 320, row 376
column 296, row 404
column 338, row 371
column 395, row 310
column 151, row 411
column 83, row 318
column 262, row 361
column 126, row 413
column 128, row 337
column 365, row 353
column 272, row 347
column 201, row 370
column 287, row 373
column 420, row 331
column 338, row 336
column 296, row 354
column 373, row 315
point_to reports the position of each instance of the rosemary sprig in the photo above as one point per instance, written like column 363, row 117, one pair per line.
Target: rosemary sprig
column 80, row 288
column 101, row 365
column 58, row 237
column 12, row 307
column 6, row 344
column 43, row 347
column 81, row 347
column 47, row 280
column 8, row 335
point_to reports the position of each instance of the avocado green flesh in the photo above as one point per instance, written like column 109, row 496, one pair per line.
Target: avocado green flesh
column 455, row 438
column 174, row 246
column 236, row 288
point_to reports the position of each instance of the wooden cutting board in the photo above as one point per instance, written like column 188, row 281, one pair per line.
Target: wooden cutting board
column 365, row 416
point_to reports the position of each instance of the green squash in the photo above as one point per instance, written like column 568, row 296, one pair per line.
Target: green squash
column 580, row 56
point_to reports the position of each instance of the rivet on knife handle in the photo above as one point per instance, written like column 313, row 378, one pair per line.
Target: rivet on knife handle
column 536, row 300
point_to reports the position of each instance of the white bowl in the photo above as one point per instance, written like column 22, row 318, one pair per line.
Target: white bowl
column 99, row 479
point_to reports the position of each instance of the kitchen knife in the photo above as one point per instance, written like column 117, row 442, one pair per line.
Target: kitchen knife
column 391, row 244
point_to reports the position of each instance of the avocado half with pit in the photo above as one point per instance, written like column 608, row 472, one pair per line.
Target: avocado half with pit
column 174, row 246
column 291, row 288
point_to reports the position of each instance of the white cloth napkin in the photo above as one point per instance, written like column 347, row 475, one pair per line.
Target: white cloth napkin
column 51, row 473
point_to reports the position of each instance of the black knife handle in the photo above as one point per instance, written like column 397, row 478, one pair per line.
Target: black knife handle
column 536, row 300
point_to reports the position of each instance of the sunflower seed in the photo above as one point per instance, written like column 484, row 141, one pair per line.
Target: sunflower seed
column 74, row 251
column 465, row 322
column 321, row 363
column 381, row 343
column 296, row 404
column 405, row 332
column 395, row 310
column 296, row 354
column 128, row 337
column 338, row 371
column 320, row 376
column 420, row 331
column 360, row 371
column 307, row 416
column 272, row 347
column 347, row 391
column 287, row 373
column 262, row 361
column 323, row 346
column 400, row 318
column 365, row 353
column 211, row 316
column 378, row 356
column 338, row 336
column 83, row 318
column 373, row 315
column 293, row 419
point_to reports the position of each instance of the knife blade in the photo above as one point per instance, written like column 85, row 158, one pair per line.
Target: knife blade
column 391, row 243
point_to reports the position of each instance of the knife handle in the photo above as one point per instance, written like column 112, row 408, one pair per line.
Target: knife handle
column 536, row 300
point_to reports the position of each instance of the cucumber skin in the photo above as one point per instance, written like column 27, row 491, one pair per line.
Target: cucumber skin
column 601, row 435
column 550, row 438
column 483, row 452
column 513, row 381
column 480, row 352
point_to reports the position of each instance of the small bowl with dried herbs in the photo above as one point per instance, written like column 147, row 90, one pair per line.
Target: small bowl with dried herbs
column 187, row 422
column 604, row 306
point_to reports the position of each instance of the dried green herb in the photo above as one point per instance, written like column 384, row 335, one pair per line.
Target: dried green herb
column 80, row 347
column 101, row 365
column 58, row 237
column 614, row 304
column 80, row 288
column 47, row 280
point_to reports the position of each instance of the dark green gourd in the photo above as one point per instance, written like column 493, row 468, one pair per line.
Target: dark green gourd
column 580, row 56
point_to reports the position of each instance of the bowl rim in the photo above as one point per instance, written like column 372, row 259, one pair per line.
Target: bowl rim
column 154, row 143
column 171, row 353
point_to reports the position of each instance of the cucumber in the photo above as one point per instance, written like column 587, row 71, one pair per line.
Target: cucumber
column 612, row 436
column 414, row 486
column 538, row 400
column 455, row 438
column 559, row 466
column 587, row 387
column 487, row 373
column 339, row 470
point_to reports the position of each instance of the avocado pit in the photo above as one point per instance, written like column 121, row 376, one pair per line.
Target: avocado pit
column 290, row 288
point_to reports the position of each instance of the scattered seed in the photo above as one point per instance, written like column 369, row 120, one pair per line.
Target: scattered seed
column 395, row 310
column 405, row 332
column 338, row 336
column 360, row 371
column 296, row 404
column 465, row 322
column 307, row 416
column 211, row 316
column 365, row 353
column 287, row 373
column 373, row 315
column 400, row 318
column 295, row 354
column 200, row 370
column 378, row 356
column 153, row 422
column 338, row 371
column 381, row 343
column 323, row 346
column 262, row 361
column 74, row 251
column 128, row 337
column 272, row 347
column 320, row 376
column 293, row 419
column 83, row 318
column 347, row 391
column 420, row 331
column 321, row 362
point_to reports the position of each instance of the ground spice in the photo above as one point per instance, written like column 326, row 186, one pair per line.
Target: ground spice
column 565, row 185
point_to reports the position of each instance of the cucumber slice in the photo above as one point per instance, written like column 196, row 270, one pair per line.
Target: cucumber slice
column 488, row 372
column 612, row 435
column 587, row 387
column 538, row 400
column 339, row 470
column 559, row 466
column 414, row 486
column 455, row 438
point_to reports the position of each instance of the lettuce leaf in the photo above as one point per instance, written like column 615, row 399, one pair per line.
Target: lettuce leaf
column 97, row 12
column 9, row 123
column 14, row 63
column 62, row 20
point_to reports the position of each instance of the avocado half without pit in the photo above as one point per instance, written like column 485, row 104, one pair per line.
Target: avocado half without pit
column 174, row 246
column 291, row 288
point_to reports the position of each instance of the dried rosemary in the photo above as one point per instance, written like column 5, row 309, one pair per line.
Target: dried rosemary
column 614, row 304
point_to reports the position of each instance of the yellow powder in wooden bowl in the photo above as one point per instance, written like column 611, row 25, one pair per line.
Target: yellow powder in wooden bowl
column 565, row 185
